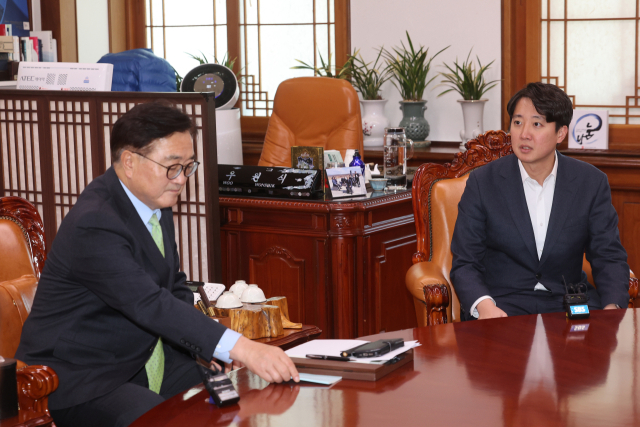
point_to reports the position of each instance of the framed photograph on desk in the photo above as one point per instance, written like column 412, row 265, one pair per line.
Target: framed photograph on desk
column 346, row 182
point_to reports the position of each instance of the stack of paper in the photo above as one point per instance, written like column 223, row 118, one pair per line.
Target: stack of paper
column 335, row 347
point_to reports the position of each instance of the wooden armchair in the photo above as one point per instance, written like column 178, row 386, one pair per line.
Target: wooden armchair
column 22, row 256
column 437, row 189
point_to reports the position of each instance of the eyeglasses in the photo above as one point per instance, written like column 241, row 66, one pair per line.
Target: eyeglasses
column 174, row 171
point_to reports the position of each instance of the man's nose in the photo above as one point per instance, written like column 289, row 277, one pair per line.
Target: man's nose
column 180, row 179
column 526, row 132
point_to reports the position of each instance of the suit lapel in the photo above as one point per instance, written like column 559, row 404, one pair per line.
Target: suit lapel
column 513, row 193
column 563, row 197
column 139, row 230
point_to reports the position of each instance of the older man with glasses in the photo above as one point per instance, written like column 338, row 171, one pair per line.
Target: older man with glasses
column 112, row 314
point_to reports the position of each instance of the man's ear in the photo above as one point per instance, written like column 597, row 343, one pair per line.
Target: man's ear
column 562, row 134
column 127, row 162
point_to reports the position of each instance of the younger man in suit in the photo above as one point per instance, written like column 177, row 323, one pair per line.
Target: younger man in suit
column 112, row 314
column 525, row 221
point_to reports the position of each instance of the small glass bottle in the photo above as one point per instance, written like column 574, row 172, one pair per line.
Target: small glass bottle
column 357, row 161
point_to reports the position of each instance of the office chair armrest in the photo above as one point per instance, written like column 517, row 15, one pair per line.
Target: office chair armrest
column 35, row 384
column 428, row 285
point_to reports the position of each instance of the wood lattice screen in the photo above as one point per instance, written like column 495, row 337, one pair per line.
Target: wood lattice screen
column 52, row 144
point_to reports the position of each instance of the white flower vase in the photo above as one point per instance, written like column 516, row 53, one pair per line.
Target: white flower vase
column 373, row 122
column 472, row 114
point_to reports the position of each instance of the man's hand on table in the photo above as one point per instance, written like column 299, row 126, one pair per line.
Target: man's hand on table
column 488, row 310
column 611, row 307
column 268, row 362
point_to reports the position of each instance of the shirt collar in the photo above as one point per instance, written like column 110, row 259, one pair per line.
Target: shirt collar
column 554, row 172
column 143, row 210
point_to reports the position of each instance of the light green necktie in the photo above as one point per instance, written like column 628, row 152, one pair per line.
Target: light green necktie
column 155, row 364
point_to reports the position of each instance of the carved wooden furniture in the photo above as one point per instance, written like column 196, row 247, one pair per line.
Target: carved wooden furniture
column 437, row 189
column 53, row 143
column 22, row 256
column 463, row 374
column 340, row 263
column 312, row 111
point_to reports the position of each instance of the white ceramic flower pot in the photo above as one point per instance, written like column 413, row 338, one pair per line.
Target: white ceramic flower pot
column 373, row 122
column 472, row 114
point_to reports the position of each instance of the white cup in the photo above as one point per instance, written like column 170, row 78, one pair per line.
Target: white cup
column 238, row 287
column 228, row 300
column 253, row 294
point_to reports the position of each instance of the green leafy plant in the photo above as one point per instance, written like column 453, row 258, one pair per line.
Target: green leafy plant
column 368, row 79
column 466, row 80
column 326, row 69
column 410, row 69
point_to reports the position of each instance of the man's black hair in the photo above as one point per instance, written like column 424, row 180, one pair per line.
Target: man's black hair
column 549, row 100
column 145, row 123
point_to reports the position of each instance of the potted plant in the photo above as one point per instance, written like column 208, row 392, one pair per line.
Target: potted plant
column 326, row 69
column 469, row 82
column 410, row 71
column 367, row 78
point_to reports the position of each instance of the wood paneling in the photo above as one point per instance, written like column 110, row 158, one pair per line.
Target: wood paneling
column 388, row 264
column 280, row 273
column 136, row 36
column 117, row 26
column 59, row 16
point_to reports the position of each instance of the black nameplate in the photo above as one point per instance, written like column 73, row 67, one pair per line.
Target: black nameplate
column 269, row 181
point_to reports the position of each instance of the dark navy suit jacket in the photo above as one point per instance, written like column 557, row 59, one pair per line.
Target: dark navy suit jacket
column 105, row 296
column 493, row 245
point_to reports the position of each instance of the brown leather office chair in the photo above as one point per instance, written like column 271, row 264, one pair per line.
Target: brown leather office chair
column 22, row 256
column 436, row 191
column 312, row 111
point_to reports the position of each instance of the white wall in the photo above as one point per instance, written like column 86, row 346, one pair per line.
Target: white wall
column 463, row 24
column 93, row 29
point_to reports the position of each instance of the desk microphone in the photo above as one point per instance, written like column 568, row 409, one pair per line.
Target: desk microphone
column 219, row 386
column 575, row 300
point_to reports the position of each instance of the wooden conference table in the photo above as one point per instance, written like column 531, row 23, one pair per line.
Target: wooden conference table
column 526, row 370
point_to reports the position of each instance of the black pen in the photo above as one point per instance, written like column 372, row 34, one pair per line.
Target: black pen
column 321, row 357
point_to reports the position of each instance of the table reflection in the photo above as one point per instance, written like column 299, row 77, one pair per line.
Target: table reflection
column 559, row 360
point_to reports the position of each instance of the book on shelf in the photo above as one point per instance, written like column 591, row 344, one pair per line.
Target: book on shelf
column 16, row 48
column 25, row 49
column 48, row 49
column 6, row 47
column 35, row 50
column 6, row 30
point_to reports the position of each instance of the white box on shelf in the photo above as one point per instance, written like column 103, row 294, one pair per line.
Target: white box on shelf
column 589, row 129
column 64, row 76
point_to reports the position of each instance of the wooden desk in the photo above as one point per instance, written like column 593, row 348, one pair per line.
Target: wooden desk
column 35, row 419
column 293, row 337
column 479, row 373
column 341, row 264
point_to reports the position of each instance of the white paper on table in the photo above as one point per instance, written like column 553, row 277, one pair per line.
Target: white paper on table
column 319, row 379
column 336, row 347
column 323, row 347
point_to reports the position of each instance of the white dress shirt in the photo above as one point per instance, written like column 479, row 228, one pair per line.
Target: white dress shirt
column 539, row 201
